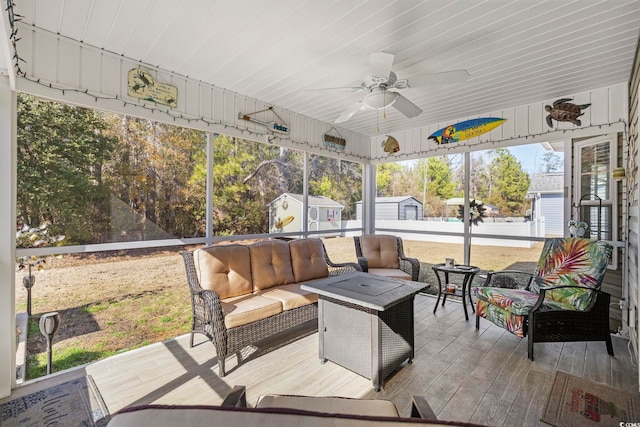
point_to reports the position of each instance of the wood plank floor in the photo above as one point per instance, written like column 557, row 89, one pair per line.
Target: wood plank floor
column 466, row 375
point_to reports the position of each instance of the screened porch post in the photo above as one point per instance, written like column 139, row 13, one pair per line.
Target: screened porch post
column 467, row 218
column 305, row 196
column 209, row 190
column 368, row 198
column 7, row 237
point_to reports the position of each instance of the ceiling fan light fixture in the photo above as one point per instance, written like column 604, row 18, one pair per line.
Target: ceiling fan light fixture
column 377, row 100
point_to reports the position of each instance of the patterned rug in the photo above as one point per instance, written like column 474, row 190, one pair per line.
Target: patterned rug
column 574, row 401
column 74, row 403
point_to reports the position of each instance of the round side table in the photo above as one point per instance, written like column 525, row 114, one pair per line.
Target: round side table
column 469, row 271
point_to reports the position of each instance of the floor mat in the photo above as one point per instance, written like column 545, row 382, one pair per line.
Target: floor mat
column 574, row 401
column 73, row 403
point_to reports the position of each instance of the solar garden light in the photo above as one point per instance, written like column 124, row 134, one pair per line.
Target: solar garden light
column 49, row 323
column 28, row 282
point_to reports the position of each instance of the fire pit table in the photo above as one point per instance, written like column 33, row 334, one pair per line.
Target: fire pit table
column 365, row 322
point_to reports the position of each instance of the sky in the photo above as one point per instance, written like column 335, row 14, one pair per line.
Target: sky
column 530, row 156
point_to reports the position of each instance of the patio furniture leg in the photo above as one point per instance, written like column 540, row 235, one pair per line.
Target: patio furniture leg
column 439, row 294
column 236, row 398
column 477, row 321
column 530, row 346
column 421, row 409
column 221, row 366
column 191, row 340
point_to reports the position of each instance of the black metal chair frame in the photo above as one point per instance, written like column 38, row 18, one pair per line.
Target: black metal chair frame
column 410, row 266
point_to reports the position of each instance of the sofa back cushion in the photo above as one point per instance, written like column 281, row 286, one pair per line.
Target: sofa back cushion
column 380, row 251
column 307, row 259
column 224, row 269
column 270, row 264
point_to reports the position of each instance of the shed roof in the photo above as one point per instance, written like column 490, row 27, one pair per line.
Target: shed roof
column 547, row 183
column 313, row 200
column 394, row 199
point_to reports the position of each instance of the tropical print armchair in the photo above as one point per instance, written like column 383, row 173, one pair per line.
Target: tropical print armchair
column 561, row 301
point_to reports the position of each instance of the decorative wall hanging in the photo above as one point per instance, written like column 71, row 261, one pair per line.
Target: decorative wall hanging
column 273, row 126
column 390, row 145
column 141, row 84
column 335, row 142
column 284, row 222
column 564, row 111
column 466, row 130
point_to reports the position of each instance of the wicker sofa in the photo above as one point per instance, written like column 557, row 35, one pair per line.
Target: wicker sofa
column 241, row 294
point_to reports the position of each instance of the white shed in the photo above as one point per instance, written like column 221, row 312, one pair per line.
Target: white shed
column 398, row 208
column 546, row 192
column 285, row 214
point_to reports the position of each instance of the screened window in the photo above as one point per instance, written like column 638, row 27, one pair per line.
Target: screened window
column 594, row 192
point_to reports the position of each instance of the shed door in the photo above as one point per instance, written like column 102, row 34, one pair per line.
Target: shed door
column 411, row 212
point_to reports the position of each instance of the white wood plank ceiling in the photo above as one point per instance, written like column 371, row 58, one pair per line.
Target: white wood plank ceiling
column 516, row 51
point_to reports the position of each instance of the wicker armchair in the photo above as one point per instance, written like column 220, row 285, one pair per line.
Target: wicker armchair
column 560, row 302
column 209, row 317
column 384, row 255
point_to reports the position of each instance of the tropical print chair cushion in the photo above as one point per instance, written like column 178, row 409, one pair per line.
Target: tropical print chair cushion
column 571, row 261
column 508, row 308
column 574, row 262
column 516, row 301
column 505, row 319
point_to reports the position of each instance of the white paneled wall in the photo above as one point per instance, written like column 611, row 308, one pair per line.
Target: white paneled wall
column 95, row 78
column 525, row 124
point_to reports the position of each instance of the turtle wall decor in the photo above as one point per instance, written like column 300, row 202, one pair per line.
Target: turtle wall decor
column 565, row 111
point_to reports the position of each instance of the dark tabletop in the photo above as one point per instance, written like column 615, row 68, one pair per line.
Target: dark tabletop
column 364, row 289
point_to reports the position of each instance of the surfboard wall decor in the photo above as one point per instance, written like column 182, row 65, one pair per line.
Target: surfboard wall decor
column 466, row 130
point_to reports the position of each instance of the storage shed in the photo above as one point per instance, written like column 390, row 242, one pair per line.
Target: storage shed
column 398, row 208
column 285, row 214
column 546, row 192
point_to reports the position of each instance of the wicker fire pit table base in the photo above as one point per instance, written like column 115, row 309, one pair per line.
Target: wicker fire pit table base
column 365, row 323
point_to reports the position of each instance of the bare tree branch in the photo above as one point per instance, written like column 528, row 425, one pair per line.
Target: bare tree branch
column 260, row 166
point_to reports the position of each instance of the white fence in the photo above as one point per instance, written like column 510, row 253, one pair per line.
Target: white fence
column 519, row 229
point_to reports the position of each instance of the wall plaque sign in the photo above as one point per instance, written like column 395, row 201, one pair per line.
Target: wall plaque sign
column 142, row 85
column 272, row 126
column 335, row 142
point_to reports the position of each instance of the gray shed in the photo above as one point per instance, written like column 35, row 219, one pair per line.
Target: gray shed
column 285, row 214
column 546, row 192
column 398, row 208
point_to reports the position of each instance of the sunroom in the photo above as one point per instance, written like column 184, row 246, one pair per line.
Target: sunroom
column 552, row 77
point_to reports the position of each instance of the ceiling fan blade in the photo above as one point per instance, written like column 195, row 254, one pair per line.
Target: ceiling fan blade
column 380, row 64
column 454, row 76
column 346, row 114
column 406, row 107
column 337, row 89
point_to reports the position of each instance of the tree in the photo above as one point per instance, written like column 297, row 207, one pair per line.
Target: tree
column 338, row 180
column 61, row 153
column 551, row 162
column 439, row 178
column 157, row 177
column 511, row 183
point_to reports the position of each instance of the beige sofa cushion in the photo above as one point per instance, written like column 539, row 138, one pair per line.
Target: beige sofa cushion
column 224, row 269
column 207, row 416
column 290, row 296
column 270, row 264
column 246, row 309
column 380, row 251
column 392, row 273
column 307, row 259
column 330, row 405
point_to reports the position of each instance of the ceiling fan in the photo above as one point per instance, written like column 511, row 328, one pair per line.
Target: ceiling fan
column 381, row 86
